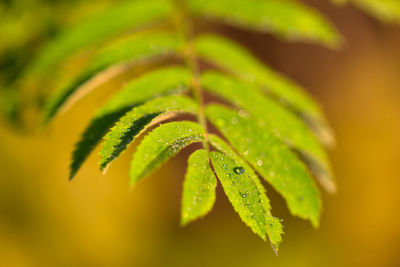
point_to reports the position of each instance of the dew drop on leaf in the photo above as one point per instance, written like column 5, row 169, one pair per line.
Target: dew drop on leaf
column 242, row 113
column 234, row 120
column 238, row 170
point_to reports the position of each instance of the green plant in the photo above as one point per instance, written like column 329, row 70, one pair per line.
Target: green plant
column 271, row 127
column 384, row 10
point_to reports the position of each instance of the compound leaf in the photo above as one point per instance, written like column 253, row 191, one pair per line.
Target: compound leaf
column 273, row 130
column 286, row 19
column 276, row 163
column 165, row 81
column 235, row 59
column 198, row 195
column 133, row 123
column 138, row 49
column 271, row 117
column 161, row 144
column 274, row 229
column 116, row 19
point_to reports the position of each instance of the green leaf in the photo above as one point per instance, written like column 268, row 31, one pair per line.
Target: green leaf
column 273, row 228
column 133, row 123
column 247, row 199
column 385, row 10
column 169, row 80
column 161, row 144
column 115, row 20
column 271, row 117
column 161, row 82
column 275, row 162
column 235, row 59
column 92, row 135
column 286, row 19
column 198, row 195
column 134, row 50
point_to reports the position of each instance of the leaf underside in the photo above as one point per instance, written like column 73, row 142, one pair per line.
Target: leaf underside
column 273, row 128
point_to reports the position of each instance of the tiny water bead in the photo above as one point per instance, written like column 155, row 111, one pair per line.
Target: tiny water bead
column 238, row 170
column 234, row 120
column 242, row 113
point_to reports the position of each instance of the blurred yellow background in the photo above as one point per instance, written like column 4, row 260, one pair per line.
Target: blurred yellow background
column 98, row 220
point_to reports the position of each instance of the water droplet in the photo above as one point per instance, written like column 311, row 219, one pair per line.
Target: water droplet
column 228, row 175
column 238, row 170
column 234, row 120
column 246, row 152
column 259, row 162
column 244, row 195
column 242, row 113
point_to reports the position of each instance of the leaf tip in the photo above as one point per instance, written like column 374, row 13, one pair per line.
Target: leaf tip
column 103, row 167
column 338, row 42
column 132, row 185
column 315, row 222
column 327, row 183
column 275, row 249
column 71, row 177
column 184, row 221
column 72, row 172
